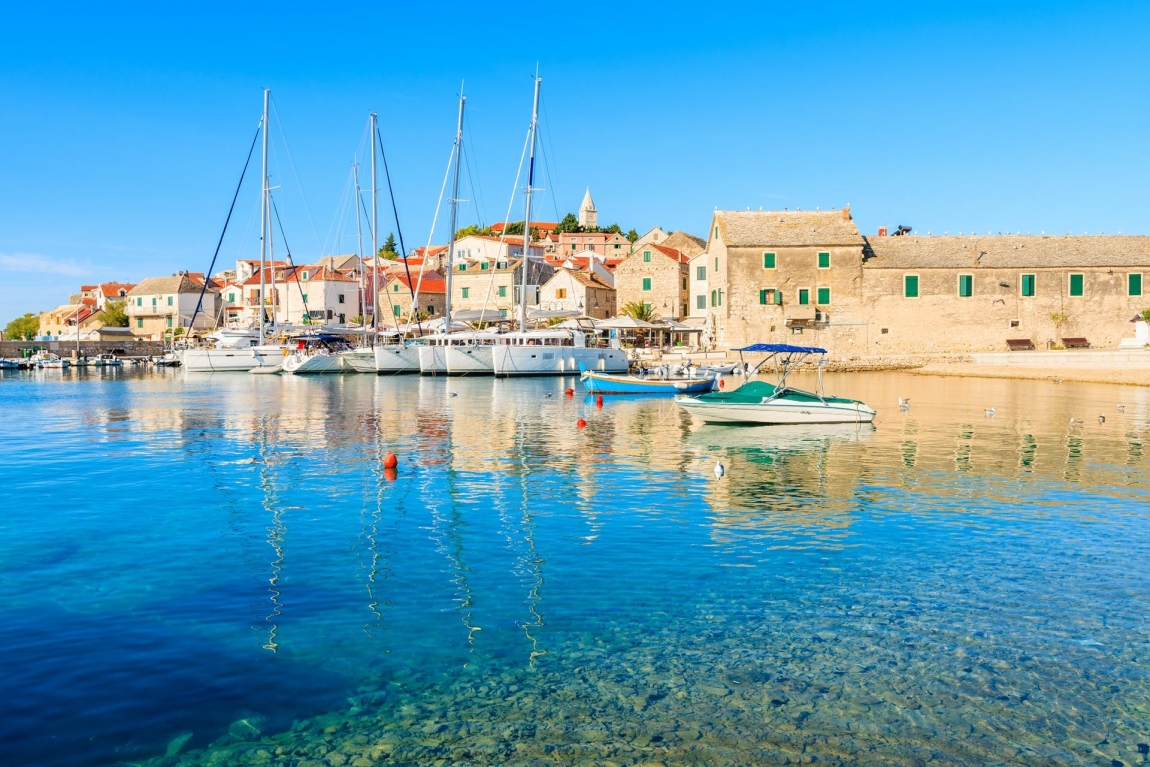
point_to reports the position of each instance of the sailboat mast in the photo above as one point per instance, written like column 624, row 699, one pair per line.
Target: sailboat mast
column 454, row 206
column 527, row 214
column 264, row 212
column 374, row 240
column 359, row 248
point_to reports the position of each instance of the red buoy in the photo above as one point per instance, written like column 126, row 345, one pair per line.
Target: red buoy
column 581, row 423
column 390, row 461
column 391, row 474
column 599, row 401
column 570, row 392
column 722, row 384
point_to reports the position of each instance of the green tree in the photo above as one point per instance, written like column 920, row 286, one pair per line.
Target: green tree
column 388, row 249
column 1145, row 316
column 632, row 236
column 639, row 310
column 515, row 227
column 466, row 231
column 23, row 328
column 569, row 224
column 114, row 315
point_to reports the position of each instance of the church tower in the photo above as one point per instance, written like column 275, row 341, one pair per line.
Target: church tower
column 588, row 216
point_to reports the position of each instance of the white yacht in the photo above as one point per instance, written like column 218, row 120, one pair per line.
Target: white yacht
column 319, row 353
column 233, row 349
column 471, row 353
column 555, row 351
column 106, row 361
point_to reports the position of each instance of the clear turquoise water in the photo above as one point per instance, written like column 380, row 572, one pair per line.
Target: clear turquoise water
column 224, row 556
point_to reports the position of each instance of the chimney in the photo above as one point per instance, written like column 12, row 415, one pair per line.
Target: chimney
column 847, row 213
column 882, row 231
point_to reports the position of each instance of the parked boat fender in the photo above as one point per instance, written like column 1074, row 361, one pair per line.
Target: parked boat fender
column 390, row 461
column 599, row 401
column 722, row 384
column 581, row 423
column 570, row 392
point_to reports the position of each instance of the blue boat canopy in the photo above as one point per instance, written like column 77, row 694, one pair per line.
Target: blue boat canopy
column 782, row 348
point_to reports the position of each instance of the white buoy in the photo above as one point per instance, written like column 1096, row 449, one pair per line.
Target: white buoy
column 991, row 412
column 720, row 470
column 1120, row 408
column 904, row 403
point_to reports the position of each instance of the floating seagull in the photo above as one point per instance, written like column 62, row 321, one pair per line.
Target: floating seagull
column 720, row 470
column 1075, row 422
column 1102, row 418
column 904, row 403
column 1120, row 408
column 1057, row 380
column 990, row 412
column 549, row 395
column 454, row 394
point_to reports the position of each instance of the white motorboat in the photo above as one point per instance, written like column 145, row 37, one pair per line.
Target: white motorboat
column 471, row 354
column 106, row 361
column 43, row 359
column 319, row 353
column 9, row 364
column 555, row 351
column 764, row 403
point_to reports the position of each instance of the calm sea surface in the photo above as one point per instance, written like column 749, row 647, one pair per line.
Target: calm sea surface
column 216, row 569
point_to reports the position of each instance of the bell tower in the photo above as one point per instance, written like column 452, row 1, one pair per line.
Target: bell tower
column 588, row 216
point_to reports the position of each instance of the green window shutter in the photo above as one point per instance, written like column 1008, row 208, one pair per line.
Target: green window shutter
column 804, row 296
column 305, row 298
column 395, row 310
column 463, row 267
column 700, row 302
column 1028, row 285
column 1134, row 284
column 824, row 296
column 716, row 264
column 646, row 283
column 503, row 291
column 139, row 302
column 768, row 260
column 1076, row 285
column 763, row 296
column 824, row 260
column 965, row 285
column 395, row 288
column 700, row 273
column 720, row 296
column 169, row 300
column 431, row 309
column 483, row 266
column 716, row 232
column 466, row 292
column 646, row 256
column 169, row 322
column 778, row 298
column 714, row 300
column 910, row 286
column 139, row 322
column 231, row 298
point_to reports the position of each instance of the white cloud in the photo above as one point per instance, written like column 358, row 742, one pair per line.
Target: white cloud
column 40, row 264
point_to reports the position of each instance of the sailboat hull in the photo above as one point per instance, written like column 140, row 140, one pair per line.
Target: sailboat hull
column 470, row 360
column 230, row 360
column 433, row 360
column 514, row 360
column 396, row 359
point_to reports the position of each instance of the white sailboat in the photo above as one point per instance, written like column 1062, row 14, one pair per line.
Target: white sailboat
column 556, row 351
column 238, row 350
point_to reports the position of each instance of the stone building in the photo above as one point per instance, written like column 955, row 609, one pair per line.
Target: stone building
column 494, row 285
column 588, row 216
column 159, row 303
column 578, row 291
column 395, row 295
column 655, row 275
column 811, row 277
column 608, row 244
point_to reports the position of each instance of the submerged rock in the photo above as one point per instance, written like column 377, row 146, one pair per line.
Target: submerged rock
column 176, row 744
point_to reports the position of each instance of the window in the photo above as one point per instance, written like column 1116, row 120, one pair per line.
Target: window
column 305, row 275
column 572, row 246
column 684, row 283
column 169, row 322
column 305, row 298
column 910, row 286
column 720, row 296
column 463, row 267
column 716, row 232
column 824, row 260
column 169, row 300
column 1027, row 285
column 483, row 266
column 616, row 246
column 560, row 292
column 466, row 292
column 502, row 312
column 431, row 309
column 768, row 260
column 341, row 298
column 139, row 322
column 646, row 283
column 395, row 287
column 700, row 302
column 153, row 302
column 716, row 264
column 700, row 273
column 231, row 298
column 1134, row 284
column 965, row 285
column 139, row 301
column 646, row 256
column 770, row 297
column 1076, row 285
column 823, row 296
column 503, row 291
column 395, row 309
column 804, row 296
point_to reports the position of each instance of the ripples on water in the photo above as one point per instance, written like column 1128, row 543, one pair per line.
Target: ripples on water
column 216, row 568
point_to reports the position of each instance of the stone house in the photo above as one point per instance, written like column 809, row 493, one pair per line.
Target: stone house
column 159, row 303
column 64, row 319
column 687, row 244
column 395, row 295
column 611, row 245
column 654, row 236
column 810, row 277
column 655, row 275
column 570, row 290
column 495, row 285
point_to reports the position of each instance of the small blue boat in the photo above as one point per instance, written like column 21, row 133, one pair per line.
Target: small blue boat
column 607, row 383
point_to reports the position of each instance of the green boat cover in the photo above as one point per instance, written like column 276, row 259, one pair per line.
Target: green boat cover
column 753, row 392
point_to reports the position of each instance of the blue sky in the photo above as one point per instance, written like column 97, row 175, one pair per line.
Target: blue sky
column 122, row 132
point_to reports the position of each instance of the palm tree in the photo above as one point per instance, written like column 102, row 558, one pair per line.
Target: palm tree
column 639, row 310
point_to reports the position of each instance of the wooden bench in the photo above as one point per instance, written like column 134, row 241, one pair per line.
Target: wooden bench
column 1019, row 344
column 1075, row 343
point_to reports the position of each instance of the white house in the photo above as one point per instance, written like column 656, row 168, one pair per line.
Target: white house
column 294, row 295
column 159, row 303
column 699, row 270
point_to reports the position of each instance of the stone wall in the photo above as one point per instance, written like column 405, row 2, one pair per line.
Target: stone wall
column 11, row 349
column 669, row 284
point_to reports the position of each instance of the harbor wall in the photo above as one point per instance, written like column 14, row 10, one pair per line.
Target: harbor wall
column 132, row 348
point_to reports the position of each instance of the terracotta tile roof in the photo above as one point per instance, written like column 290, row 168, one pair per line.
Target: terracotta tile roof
column 589, row 279
column 1007, row 252
column 787, row 228
column 548, row 226
column 112, row 289
column 670, row 253
column 433, row 282
column 86, row 288
column 295, row 274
